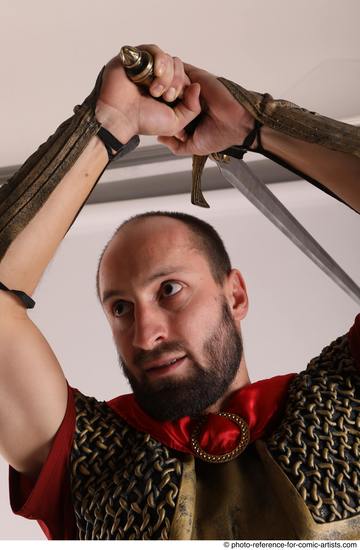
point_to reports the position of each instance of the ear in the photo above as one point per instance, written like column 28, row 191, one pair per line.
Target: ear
column 236, row 294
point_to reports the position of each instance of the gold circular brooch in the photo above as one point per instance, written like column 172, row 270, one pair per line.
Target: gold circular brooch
column 225, row 457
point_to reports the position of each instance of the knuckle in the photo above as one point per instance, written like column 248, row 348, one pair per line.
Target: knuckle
column 165, row 58
column 168, row 61
column 168, row 78
column 179, row 72
column 177, row 83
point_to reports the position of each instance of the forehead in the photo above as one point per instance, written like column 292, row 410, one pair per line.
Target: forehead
column 147, row 245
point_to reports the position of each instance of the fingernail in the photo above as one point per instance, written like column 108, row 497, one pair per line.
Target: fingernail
column 170, row 94
column 158, row 90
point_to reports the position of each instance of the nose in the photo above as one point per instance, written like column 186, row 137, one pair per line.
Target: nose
column 150, row 327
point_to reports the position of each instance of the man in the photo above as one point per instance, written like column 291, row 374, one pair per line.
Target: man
column 281, row 459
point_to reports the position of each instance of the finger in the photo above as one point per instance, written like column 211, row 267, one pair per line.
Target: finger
column 179, row 81
column 176, row 118
column 182, row 135
column 161, row 84
column 194, row 73
column 189, row 107
column 176, row 147
column 163, row 69
column 160, row 57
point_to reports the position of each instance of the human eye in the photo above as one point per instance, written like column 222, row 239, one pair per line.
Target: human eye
column 170, row 288
column 121, row 308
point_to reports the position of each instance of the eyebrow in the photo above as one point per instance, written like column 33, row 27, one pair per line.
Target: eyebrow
column 157, row 275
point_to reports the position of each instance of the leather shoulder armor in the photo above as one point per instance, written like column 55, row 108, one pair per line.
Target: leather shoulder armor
column 317, row 443
column 124, row 482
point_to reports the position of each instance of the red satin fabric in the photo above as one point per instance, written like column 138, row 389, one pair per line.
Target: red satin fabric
column 259, row 404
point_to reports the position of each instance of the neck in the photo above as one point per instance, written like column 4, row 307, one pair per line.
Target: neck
column 241, row 379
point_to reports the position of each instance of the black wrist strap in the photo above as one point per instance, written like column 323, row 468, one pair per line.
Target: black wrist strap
column 114, row 147
column 250, row 138
column 28, row 302
column 238, row 151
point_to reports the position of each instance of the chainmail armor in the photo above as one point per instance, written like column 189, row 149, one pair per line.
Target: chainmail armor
column 317, row 443
column 124, row 482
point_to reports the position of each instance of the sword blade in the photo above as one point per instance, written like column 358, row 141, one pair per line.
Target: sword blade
column 237, row 173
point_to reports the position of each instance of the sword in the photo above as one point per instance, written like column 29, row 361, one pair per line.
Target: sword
column 237, row 173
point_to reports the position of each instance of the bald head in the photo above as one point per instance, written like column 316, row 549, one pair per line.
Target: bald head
column 157, row 233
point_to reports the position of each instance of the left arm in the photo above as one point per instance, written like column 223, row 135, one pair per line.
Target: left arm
column 337, row 171
column 226, row 122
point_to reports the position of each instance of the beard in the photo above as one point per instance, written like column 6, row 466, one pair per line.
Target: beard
column 172, row 399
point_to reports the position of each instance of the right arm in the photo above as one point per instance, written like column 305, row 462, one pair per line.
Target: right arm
column 33, row 389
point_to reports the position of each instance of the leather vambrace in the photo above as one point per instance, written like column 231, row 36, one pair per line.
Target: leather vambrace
column 288, row 119
column 294, row 121
column 22, row 196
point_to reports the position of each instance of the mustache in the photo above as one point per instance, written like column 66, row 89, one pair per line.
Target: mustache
column 145, row 356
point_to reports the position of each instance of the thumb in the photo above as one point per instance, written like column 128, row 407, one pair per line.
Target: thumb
column 189, row 107
column 195, row 73
column 177, row 146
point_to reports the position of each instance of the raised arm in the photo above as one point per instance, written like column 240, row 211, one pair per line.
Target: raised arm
column 38, row 205
column 323, row 150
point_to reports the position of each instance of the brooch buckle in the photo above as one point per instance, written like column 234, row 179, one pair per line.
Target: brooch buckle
column 225, row 457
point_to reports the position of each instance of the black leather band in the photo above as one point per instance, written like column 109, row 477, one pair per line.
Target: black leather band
column 238, row 151
column 250, row 138
column 114, row 147
column 28, row 302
